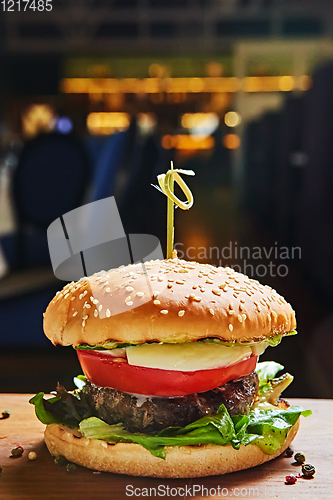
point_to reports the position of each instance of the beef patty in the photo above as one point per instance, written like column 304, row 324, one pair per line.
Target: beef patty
column 149, row 414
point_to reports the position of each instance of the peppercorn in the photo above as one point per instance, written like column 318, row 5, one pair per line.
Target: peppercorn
column 60, row 460
column 289, row 452
column 32, row 455
column 17, row 452
column 5, row 414
column 291, row 479
column 71, row 468
column 308, row 470
column 300, row 458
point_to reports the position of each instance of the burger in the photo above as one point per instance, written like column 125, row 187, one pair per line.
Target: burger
column 172, row 386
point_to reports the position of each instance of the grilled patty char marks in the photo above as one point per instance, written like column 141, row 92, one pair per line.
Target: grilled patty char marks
column 149, row 414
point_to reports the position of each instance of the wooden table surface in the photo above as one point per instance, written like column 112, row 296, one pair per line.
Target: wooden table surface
column 42, row 479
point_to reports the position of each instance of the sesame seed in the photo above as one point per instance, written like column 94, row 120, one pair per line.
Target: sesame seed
column 241, row 307
column 130, row 303
column 231, row 311
column 85, row 317
column 83, row 323
column 231, row 305
column 108, row 313
column 95, row 313
column 66, row 296
column 216, row 292
column 100, row 307
column 274, row 314
column 128, row 299
column 244, row 317
column 240, row 318
column 74, row 314
column 223, row 286
column 211, row 312
column 231, row 327
column 164, row 311
column 157, row 302
column 180, row 282
column 169, row 285
column 88, row 306
column 269, row 317
column 95, row 301
column 197, row 299
column 104, row 444
column 107, row 289
column 139, row 294
column 155, row 295
column 209, row 281
column 194, row 287
column 129, row 289
column 73, row 298
column 181, row 313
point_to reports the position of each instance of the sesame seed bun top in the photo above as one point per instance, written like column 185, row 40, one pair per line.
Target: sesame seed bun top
column 166, row 301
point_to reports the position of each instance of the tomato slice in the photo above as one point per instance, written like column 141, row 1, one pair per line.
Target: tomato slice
column 105, row 370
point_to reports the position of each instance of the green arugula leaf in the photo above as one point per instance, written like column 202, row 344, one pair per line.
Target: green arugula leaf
column 67, row 408
column 45, row 416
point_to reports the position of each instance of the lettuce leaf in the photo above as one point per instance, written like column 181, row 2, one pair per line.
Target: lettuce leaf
column 216, row 429
column 267, row 429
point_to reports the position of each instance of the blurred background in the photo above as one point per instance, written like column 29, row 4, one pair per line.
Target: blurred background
column 96, row 98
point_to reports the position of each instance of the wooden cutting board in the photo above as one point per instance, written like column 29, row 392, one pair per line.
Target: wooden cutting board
column 42, row 479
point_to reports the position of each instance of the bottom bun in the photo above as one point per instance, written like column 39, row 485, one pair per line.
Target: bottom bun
column 134, row 460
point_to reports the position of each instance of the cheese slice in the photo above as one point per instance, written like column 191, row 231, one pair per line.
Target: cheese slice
column 189, row 357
